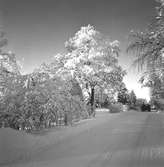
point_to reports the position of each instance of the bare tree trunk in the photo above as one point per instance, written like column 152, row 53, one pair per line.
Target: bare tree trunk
column 92, row 101
column 66, row 118
column 101, row 97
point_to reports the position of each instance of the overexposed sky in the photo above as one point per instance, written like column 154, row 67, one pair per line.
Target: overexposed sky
column 141, row 92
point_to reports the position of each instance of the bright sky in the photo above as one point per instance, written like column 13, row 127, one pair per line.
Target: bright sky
column 37, row 29
column 141, row 92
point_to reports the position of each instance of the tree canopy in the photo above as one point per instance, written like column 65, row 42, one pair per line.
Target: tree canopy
column 148, row 47
column 93, row 60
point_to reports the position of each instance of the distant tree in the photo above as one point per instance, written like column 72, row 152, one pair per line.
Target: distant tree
column 132, row 98
column 123, row 96
column 140, row 101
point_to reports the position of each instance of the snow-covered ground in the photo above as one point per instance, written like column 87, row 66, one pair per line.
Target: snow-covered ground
column 18, row 145
column 124, row 139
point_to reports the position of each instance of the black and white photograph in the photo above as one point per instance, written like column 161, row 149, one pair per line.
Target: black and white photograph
column 81, row 83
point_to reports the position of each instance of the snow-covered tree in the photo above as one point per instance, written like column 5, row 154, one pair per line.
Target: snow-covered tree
column 93, row 60
column 149, row 49
column 11, row 84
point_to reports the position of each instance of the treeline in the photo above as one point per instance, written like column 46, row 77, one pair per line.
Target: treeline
column 64, row 90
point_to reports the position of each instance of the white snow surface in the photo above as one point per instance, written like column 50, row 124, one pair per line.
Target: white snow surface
column 18, row 145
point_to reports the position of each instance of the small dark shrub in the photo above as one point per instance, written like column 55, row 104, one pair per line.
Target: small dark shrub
column 132, row 107
column 116, row 108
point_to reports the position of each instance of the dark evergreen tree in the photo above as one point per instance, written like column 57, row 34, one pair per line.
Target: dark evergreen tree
column 123, row 96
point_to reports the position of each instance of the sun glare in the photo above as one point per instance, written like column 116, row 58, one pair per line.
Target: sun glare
column 141, row 92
